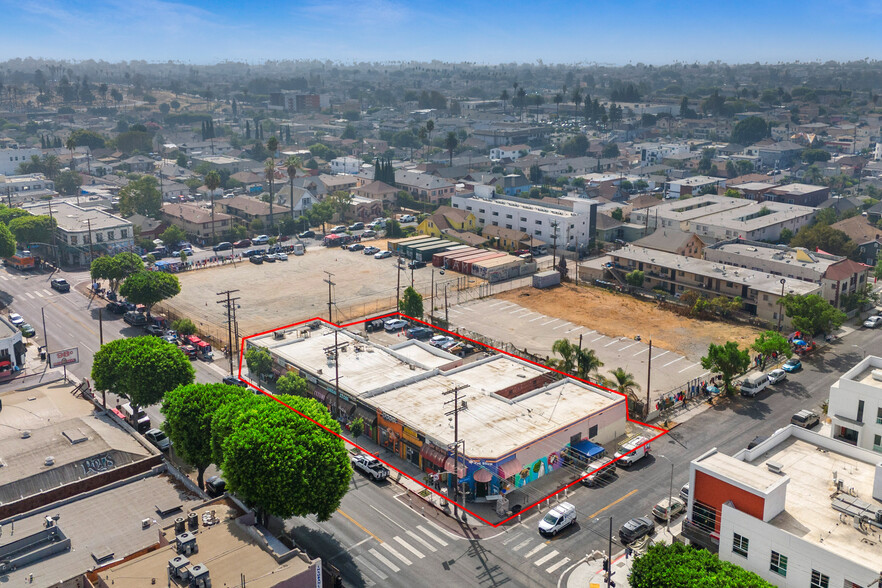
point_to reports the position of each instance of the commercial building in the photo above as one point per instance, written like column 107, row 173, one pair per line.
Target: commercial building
column 799, row 509
column 801, row 194
column 515, row 426
column 12, row 349
column 855, row 405
column 224, row 162
column 345, row 165
column 26, row 185
column 10, row 159
column 82, row 234
column 567, row 227
column 720, row 217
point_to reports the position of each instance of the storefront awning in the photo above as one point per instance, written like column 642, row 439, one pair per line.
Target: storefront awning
column 448, row 467
column 433, row 455
column 368, row 416
column 509, row 468
column 587, row 448
column 319, row 394
column 482, row 475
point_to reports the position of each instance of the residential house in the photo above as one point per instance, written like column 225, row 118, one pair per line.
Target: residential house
column 866, row 235
column 376, row 190
column 250, row 209
column 509, row 239
column 302, row 201
column 801, row 194
column 223, row 162
column 138, row 164
column 345, row 165
column 253, row 182
column 423, row 186
column 514, row 184
column 196, row 221
column 777, row 155
column 172, row 191
column 447, row 217
column 673, row 241
column 694, row 185
column 362, row 209
column 342, row 182
column 511, row 152
column 148, row 228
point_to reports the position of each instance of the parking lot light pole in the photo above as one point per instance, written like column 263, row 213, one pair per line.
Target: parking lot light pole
column 670, row 496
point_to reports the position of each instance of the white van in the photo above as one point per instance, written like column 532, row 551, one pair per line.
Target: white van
column 557, row 519
column 754, row 384
column 640, row 447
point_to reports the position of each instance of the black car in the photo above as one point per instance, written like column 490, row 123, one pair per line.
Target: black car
column 636, row 528
column 256, row 259
column 416, row 264
column 215, row 486
column 116, row 308
column 224, row 246
column 136, row 319
column 154, row 330
column 307, row 235
column 419, row 333
column 60, row 284
column 252, row 252
column 234, row 381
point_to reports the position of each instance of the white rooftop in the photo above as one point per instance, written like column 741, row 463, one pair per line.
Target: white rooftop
column 75, row 219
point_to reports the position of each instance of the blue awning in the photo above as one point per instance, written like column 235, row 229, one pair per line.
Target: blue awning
column 588, row 448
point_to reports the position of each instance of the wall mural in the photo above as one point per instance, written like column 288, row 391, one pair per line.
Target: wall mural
column 538, row 469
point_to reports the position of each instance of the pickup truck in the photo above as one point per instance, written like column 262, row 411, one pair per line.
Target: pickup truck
column 370, row 466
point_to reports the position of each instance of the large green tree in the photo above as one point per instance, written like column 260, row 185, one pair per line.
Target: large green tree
column 259, row 361
column 141, row 196
column 678, row 565
column 68, row 182
column 575, row 361
column 115, row 268
column 826, row 238
column 173, row 235
column 33, row 229
column 575, row 146
column 411, row 303
column 812, row 314
column 292, row 384
column 7, row 242
column 148, row 288
column 188, row 411
column 141, row 369
column 769, row 342
column 281, row 463
column 750, row 130
column 727, row 360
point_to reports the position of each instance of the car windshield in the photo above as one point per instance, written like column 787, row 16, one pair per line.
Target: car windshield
column 159, row 435
column 551, row 519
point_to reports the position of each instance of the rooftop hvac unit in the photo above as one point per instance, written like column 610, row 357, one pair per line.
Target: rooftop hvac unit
column 199, row 576
column 278, row 335
column 775, row 467
column 185, row 544
column 177, row 568
column 49, row 461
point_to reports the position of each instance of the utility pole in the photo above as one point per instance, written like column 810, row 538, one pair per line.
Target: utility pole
column 432, row 299
column 336, row 349
column 446, row 320
column 554, row 225
column 229, row 302
column 398, row 286
column 455, row 413
column 330, row 301
column 648, row 380
column 52, row 223
column 91, row 253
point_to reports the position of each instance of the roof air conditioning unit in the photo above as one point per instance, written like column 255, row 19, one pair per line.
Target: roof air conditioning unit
column 25, row 434
column 49, row 461
column 775, row 467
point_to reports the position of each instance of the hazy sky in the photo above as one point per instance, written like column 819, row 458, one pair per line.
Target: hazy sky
column 454, row 30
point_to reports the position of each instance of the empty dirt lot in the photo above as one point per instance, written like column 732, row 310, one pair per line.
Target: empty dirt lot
column 620, row 315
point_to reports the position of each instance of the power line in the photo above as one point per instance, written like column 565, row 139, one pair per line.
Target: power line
column 229, row 303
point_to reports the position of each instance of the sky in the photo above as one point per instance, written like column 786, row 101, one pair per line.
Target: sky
column 347, row 31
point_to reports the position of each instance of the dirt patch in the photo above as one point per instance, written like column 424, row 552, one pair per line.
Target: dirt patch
column 619, row 315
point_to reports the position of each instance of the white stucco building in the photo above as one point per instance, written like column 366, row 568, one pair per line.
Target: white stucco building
column 10, row 159
column 855, row 405
column 83, row 234
column 345, row 165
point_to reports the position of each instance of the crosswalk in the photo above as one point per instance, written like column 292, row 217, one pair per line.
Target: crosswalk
column 401, row 551
column 537, row 549
column 21, row 282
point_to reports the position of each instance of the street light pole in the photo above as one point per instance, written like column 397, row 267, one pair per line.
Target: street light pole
column 781, row 304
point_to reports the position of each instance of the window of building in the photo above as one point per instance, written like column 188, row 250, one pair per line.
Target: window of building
column 877, row 443
column 99, row 237
column 508, row 216
column 740, row 544
column 538, row 222
column 820, row 580
column 765, row 297
column 778, row 564
column 523, row 229
column 481, row 210
column 507, row 226
column 860, row 411
column 879, row 416
column 467, row 207
column 592, row 431
column 73, row 239
column 495, row 224
column 523, row 219
column 495, row 213
column 850, row 584
column 538, row 233
column 110, row 235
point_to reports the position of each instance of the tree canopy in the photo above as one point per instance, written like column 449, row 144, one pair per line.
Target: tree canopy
column 826, row 238
column 769, row 342
column 258, row 361
column 115, row 268
column 727, row 360
column 141, row 196
column 68, row 182
column 575, row 146
column 279, row 462
column 292, row 384
column 141, row 369
column 188, row 411
column 411, row 303
column 750, row 130
column 676, row 565
column 148, row 288
column 33, row 229
column 575, row 361
column 7, row 242
column 812, row 314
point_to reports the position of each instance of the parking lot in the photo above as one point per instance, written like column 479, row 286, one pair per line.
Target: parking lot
column 284, row 292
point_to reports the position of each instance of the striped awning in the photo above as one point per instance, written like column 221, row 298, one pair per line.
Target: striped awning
column 433, row 455
column 509, row 468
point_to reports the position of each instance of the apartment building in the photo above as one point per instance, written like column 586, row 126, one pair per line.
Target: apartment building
column 82, row 234
column 10, row 159
column 855, row 405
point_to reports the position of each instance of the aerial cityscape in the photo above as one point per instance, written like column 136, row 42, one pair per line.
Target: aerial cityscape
column 380, row 294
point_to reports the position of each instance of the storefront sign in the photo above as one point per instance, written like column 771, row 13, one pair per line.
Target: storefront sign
column 64, row 357
column 409, row 435
column 389, row 418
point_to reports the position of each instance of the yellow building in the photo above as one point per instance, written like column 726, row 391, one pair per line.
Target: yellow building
column 447, row 217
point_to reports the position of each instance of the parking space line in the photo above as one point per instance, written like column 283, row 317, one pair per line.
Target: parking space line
column 613, row 342
column 628, row 346
column 551, row 321
column 641, row 351
column 498, row 303
column 541, row 316
column 660, row 354
column 688, row 367
column 598, row 339
column 675, row 361
column 571, row 330
column 561, row 326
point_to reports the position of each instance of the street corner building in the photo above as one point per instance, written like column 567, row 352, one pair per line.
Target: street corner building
column 517, row 421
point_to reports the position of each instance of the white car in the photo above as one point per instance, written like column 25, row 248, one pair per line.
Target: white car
column 776, row 376
column 873, row 322
column 282, row 256
column 395, row 325
column 260, row 240
column 407, row 218
column 15, row 319
column 382, row 255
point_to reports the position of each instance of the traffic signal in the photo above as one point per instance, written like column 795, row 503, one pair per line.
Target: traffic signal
column 605, row 564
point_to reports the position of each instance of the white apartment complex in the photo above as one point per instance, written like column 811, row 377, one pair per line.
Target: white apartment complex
column 799, row 509
column 570, row 228
column 82, row 234
column 18, row 185
column 345, row 165
column 10, row 159
column 855, row 405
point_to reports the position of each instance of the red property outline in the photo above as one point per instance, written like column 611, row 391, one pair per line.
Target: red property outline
column 661, row 430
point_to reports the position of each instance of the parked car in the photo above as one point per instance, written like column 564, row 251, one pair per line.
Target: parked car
column 234, row 381
column 371, row 250
column 635, row 529
column 776, row 376
column 418, row 333
column 416, row 264
column 355, row 247
column 260, row 240
column 339, row 229
column 189, row 351
column 270, row 258
column 684, row 493
column 605, row 472
column 873, row 322
column 134, row 318
column 370, row 466
column 223, row 246
column 306, row 235
column 15, row 319
column 668, row 509
column 632, row 451
column 281, row 257
column 754, row 384
column 370, row 233
column 159, row 439
column 805, row 419
column 215, row 486
column 558, row 518
column 186, row 251
column 27, row 330
column 791, row 365
column 440, row 340
column 60, row 284
column 171, row 337
column 154, row 330
column 115, row 307
column 256, row 259
column 407, row 218
column 395, row 325
column 242, row 243
column 382, row 255
column 356, row 226
column 375, row 325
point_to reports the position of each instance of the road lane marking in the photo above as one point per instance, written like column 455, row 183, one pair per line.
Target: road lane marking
column 49, row 292
column 521, row 545
column 675, row 361
column 40, row 294
column 396, row 553
column 432, row 536
column 31, row 296
column 359, row 525
column 536, row 550
column 371, row 567
column 383, row 560
column 559, row 564
column 615, row 502
column 545, row 558
column 688, row 367
column 402, row 527
column 425, row 543
column 409, row 547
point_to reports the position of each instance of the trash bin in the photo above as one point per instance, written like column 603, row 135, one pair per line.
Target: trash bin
column 43, row 355
column 443, row 497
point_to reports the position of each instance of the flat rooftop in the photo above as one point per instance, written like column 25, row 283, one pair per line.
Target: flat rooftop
column 105, row 523
column 492, row 426
column 757, row 215
column 780, row 256
column 523, row 206
column 698, row 207
column 73, row 218
column 226, row 549
column 757, row 280
column 753, row 186
column 808, row 513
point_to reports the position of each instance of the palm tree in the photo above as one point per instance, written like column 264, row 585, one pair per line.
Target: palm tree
column 292, row 163
column 503, row 97
column 587, row 362
column 272, row 145
column 70, row 144
column 558, row 98
column 567, row 352
column 212, row 182
column 450, row 142
column 522, row 100
column 625, row 384
column 577, row 98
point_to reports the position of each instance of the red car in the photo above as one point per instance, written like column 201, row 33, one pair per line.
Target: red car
column 242, row 243
column 284, row 238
